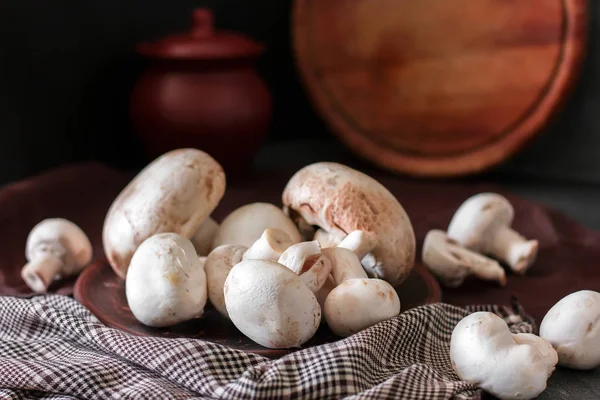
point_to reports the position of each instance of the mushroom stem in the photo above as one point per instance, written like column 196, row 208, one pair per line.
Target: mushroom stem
column 327, row 239
column 295, row 256
column 41, row 271
column 518, row 252
column 317, row 269
column 360, row 242
column 344, row 264
column 271, row 244
column 451, row 263
column 307, row 260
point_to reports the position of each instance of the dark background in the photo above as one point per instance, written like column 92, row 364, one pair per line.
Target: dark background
column 67, row 68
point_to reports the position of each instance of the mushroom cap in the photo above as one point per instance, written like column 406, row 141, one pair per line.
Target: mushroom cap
column 340, row 200
column 245, row 225
column 166, row 282
column 484, row 351
column 270, row 304
column 174, row 193
column 56, row 235
column 217, row 266
column 573, row 327
column 357, row 304
column 477, row 217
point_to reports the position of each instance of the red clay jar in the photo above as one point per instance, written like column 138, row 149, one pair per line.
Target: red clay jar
column 201, row 90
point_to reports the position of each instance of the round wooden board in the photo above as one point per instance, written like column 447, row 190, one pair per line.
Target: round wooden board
column 103, row 293
column 438, row 88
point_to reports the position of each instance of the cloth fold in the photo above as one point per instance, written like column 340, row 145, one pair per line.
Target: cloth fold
column 51, row 347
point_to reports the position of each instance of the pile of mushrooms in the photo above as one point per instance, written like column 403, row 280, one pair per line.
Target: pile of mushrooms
column 332, row 254
column 478, row 239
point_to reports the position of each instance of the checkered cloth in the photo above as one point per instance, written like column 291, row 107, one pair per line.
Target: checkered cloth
column 51, row 347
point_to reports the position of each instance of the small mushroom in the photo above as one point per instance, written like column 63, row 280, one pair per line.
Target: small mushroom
column 340, row 200
column 452, row 263
column 572, row 326
column 271, row 244
column 166, row 282
column 217, row 266
column 483, row 224
column 484, row 352
column 175, row 193
column 56, row 248
column 246, row 224
column 356, row 302
column 204, row 236
column 270, row 304
column 308, row 261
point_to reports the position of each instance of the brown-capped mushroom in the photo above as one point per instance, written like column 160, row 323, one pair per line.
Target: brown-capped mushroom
column 175, row 193
column 56, row 248
column 246, row 224
column 483, row 224
column 340, row 200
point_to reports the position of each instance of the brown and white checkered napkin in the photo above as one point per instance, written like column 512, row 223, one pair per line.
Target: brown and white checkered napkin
column 51, row 347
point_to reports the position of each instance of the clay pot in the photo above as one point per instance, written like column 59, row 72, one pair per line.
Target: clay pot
column 201, row 90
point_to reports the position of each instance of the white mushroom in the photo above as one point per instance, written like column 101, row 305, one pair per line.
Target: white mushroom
column 485, row 353
column 483, row 224
column 340, row 200
column 271, row 244
column 572, row 326
column 56, row 248
column 175, row 193
column 166, row 282
column 308, row 261
column 327, row 239
column 270, row 304
column 246, row 224
column 217, row 266
column 204, row 236
column 452, row 263
column 356, row 302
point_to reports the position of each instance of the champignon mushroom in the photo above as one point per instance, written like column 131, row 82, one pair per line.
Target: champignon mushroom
column 356, row 302
column 327, row 239
column 56, row 248
column 204, row 236
column 484, row 352
column 270, row 304
column 166, row 282
column 307, row 260
column 483, row 224
column 175, row 193
column 246, row 224
column 452, row 263
column 572, row 326
column 217, row 266
column 340, row 200
column 271, row 244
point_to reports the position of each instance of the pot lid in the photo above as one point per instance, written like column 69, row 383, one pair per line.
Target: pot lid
column 202, row 42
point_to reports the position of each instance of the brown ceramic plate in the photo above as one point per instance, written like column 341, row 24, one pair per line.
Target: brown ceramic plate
column 438, row 88
column 103, row 293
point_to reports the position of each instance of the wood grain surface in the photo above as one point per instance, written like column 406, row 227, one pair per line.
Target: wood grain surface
column 438, row 88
